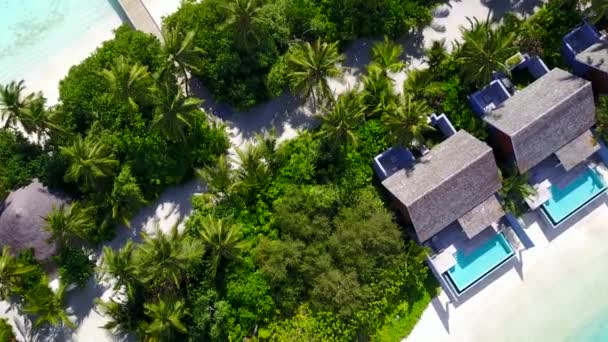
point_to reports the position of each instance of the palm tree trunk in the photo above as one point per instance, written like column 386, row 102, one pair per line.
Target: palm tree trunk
column 185, row 72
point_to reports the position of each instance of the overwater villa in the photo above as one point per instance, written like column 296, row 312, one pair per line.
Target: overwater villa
column 586, row 51
column 448, row 196
column 544, row 130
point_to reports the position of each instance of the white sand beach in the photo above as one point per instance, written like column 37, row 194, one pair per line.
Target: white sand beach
column 555, row 290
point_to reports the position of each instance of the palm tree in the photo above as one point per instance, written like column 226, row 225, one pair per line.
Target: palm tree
column 122, row 316
column 386, row 56
column 166, row 316
column 12, row 102
column 253, row 170
column 421, row 84
column 175, row 112
column 180, row 54
column 36, row 118
column 47, row 306
column 219, row 177
column 436, row 54
column 165, row 259
column 310, row 66
column 268, row 142
column 117, row 266
column 378, row 94
column 484, row 50
column 88, row 161
column 67, row 222
column 515, row 189
column 126, row 83
column 11, row 273
column 222, row 239
column 408, row 122
column 339, row 123
column 247, row 20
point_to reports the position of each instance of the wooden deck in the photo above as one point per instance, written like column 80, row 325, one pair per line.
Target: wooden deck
column 140, row 18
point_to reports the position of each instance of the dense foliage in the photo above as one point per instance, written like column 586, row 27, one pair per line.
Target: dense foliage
column 243, row 41
column 6, row 331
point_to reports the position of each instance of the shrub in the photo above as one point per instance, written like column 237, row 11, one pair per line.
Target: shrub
column 6, row 331
column 75, row 266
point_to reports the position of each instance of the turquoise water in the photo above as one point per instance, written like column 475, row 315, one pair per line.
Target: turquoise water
column 568, row 199
column 31, row 31
column 595, row 331
column 471, row 267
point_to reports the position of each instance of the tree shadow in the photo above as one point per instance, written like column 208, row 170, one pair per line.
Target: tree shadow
column 498, row 8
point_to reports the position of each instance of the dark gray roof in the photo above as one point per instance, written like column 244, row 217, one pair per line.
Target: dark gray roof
column 596, row 56
column 22, row 220
column 545, row 116
column 578, row 150
column 453, row 178
column 481, row 217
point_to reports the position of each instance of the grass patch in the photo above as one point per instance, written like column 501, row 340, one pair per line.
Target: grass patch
column 402, row 321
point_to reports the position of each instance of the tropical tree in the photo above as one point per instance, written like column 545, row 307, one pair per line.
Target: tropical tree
column 596, row 9
column 310, row 66
column 484, row 50
column 117, row 266
column 247, row 20
column 175, row 112
column 12, row 102
column 126, row 197
column 408, row 122
column 47, row 306
column 11, row 273
column 267, row 142
column 37, row 119
column 253, row 169
column 180, row 54
column 88, row 162
column 386, row 56
column 167, row 316
column 436, row 54
column 164, row 259
column 339, row 123
column 421, row 84
column 67, row 222
column 123, row 316
column 515, row 189
column 126, row 83
column 219, row 177
column 222, row 240
column 378, row 94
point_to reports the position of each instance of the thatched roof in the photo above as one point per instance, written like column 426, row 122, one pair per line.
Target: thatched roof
column 596, row 56
column 22, row 218
column 452, row 179
column 481, row 217
column 578, row 150
column 545, row 116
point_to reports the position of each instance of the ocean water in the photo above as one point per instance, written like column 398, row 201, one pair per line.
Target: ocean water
column 31, row 31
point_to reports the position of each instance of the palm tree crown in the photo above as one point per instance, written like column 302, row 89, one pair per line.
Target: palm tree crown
column 310, row 68
column 126, row 82
column 340, row 122
column 11, row 273
column 69, row 221
column 222, row 239
column 12, row 102
column 247, row 20
column 484, row 50
column 89, row 161
column 180, row 54
column 167, row 316
column 408, row 122
column 386, row 56
column 175, row 112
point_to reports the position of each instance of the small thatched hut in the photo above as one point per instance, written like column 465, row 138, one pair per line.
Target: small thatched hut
column 22, row 220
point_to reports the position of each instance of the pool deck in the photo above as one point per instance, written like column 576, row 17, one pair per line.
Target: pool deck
column 140, row 17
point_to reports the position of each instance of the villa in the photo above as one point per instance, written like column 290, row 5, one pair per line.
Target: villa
column 586, row 51
column 448, row 196
column 544, row 130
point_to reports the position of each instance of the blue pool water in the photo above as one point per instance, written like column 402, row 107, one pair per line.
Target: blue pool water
column 31, row 31
column 473, row 266
column 567, row 200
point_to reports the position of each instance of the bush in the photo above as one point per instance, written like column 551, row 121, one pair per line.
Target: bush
column 20, row 161
column 6, row 331
column 75, row 266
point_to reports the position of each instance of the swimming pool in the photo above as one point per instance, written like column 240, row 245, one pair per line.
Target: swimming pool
column 32, row 31
column 472, row 267
column 567, row 200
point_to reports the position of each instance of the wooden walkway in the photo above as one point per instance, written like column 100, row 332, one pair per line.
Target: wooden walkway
column 140, row 18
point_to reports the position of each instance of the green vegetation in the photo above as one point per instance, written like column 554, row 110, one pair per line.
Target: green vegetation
column 243, row 42
column 293, row 240
column 6, row 331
